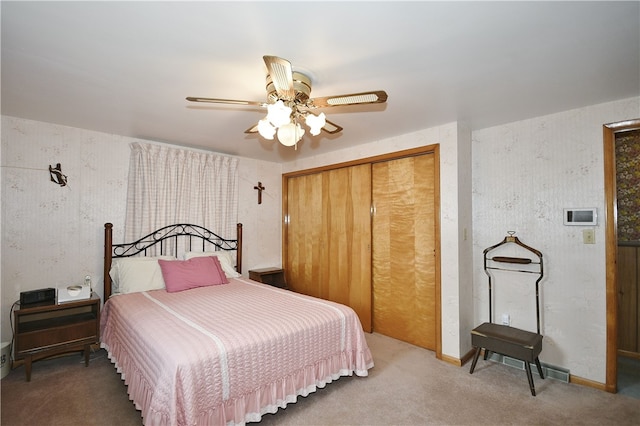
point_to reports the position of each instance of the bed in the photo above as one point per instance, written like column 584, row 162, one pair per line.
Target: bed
column 203, row 352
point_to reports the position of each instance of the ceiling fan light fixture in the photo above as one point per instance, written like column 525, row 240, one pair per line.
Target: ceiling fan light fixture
column 265, row 129
column 279, row 114
column 290, row 134
column 315, row 123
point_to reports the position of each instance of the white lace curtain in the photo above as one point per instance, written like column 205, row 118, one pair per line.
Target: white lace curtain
column 169, row 185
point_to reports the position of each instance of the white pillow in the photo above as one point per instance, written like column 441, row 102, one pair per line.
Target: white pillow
column 224, row 257
column 135, row 274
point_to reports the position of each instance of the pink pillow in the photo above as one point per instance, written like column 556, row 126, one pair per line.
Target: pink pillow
column 182, row 275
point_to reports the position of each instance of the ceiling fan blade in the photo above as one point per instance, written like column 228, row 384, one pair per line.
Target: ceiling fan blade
column 252, row 129
column 281, row 73
column 226, row 101
column 330, row 127
column 375, row 97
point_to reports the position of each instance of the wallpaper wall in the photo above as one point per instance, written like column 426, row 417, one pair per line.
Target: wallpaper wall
column 524, row 174
column 628, row 185
column 53, row 236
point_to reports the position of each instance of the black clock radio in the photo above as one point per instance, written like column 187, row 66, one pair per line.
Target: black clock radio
column 41, row 296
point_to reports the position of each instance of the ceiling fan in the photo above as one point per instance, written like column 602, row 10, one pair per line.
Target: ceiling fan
column 289, row 103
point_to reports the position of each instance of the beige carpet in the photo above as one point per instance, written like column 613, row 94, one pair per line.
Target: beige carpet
column 408, row 386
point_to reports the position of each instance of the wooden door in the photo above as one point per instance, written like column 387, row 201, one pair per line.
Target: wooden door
column 328, row 237
column 628, row 299
column 303, row 267
column 404, row 242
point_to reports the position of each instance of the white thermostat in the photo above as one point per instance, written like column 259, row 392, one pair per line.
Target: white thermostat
column 583, row 217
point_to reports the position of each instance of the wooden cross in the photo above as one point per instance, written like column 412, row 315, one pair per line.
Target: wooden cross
column 260, row 188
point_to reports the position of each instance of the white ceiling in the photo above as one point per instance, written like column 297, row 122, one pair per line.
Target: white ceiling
column 126, row 67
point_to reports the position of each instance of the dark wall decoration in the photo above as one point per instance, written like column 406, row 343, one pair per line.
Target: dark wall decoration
column 56, row 176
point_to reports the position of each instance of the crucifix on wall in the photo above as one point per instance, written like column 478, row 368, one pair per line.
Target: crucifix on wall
column 260, row 188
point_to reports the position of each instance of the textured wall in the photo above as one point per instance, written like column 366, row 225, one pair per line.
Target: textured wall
column 524, row 174
column 53, row 236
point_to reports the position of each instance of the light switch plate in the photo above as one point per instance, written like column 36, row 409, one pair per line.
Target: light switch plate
column 588, row 236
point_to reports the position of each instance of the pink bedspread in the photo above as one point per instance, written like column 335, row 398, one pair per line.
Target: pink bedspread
column 228, row 354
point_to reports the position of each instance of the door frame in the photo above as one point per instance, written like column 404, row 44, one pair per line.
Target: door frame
column 435, row 150
column 611, row 245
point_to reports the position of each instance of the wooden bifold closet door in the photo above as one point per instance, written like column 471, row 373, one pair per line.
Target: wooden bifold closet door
column 404, row 265
column 328, row 239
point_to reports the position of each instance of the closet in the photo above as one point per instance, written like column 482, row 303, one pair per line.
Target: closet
column 364, row 234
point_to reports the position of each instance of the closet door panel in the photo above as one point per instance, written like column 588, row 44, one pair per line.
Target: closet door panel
column 304, row 263
column 329, row 237
column 404, row 249
column 347, row 202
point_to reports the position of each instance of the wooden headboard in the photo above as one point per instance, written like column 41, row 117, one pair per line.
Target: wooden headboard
column 194, row 238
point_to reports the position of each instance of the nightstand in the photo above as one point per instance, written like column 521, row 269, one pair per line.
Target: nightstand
column 44, row 331
column 271, row 276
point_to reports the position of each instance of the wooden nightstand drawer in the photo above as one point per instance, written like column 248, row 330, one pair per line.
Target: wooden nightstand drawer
column 271, row 276
column 61, row 335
